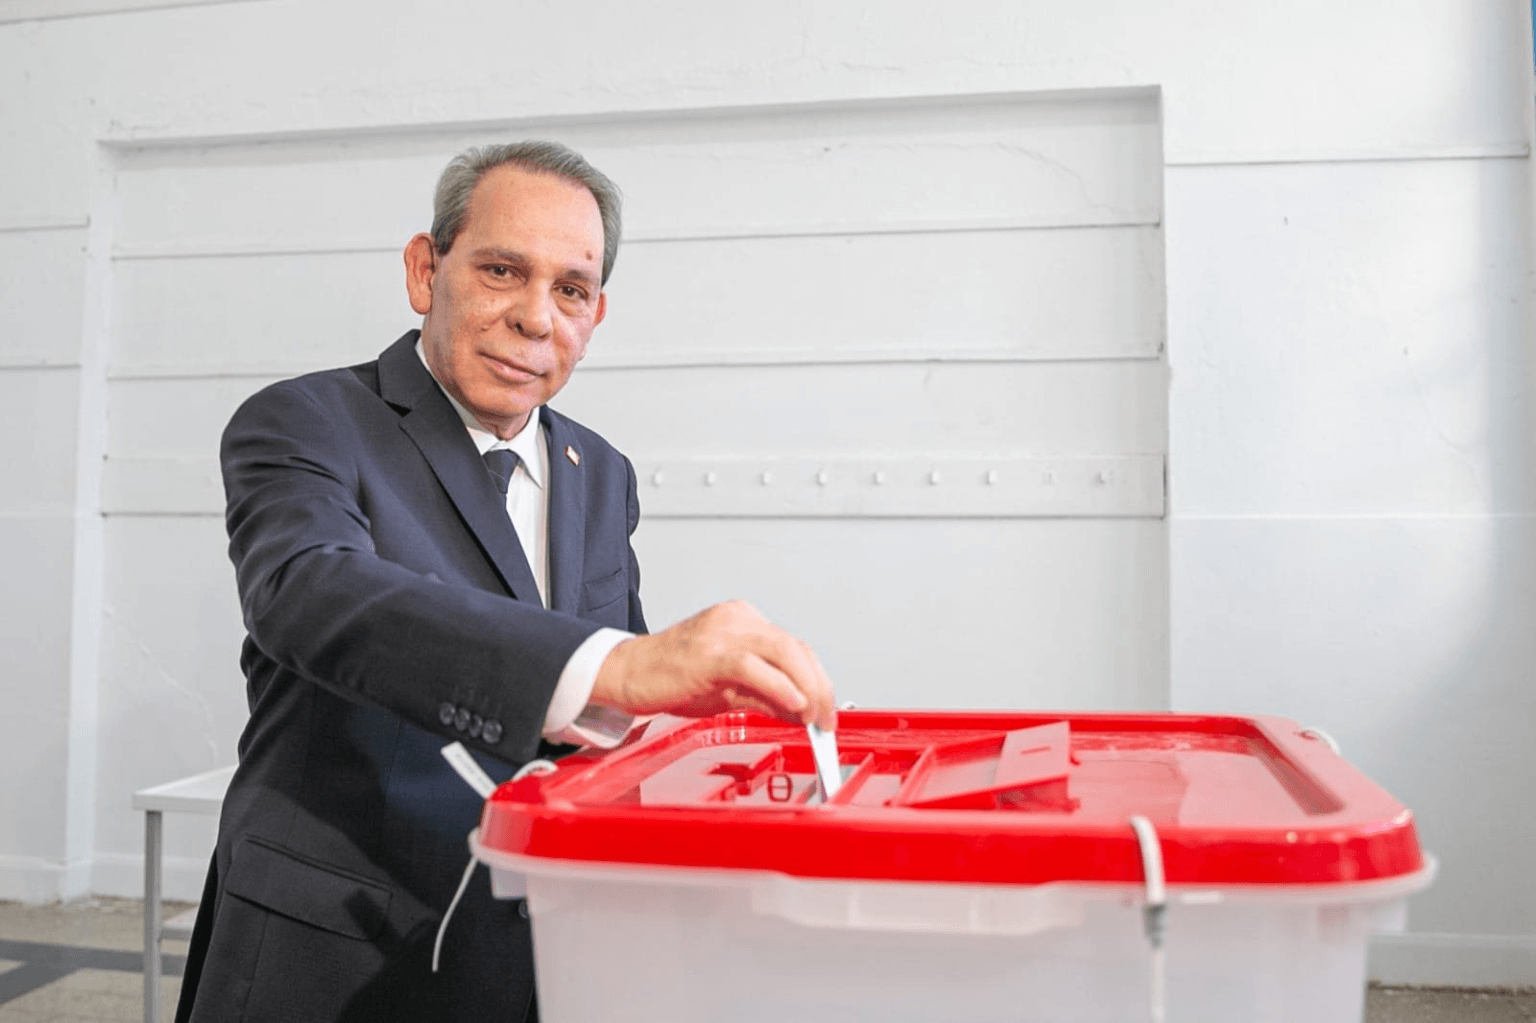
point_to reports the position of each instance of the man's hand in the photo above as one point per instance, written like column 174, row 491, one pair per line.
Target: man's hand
column 727, row 657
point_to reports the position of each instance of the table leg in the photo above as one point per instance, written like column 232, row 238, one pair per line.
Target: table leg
column 152, row 916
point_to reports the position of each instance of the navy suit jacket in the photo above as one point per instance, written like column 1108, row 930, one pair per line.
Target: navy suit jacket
column 389, row 610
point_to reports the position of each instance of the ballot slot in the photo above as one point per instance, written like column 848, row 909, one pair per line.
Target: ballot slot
column 853, row 773
column 746, row 775
column 790, row 779
column 1024, row 769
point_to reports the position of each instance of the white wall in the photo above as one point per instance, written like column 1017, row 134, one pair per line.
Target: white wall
column 1343, row 226
column 1357, row 552
column 963, row 297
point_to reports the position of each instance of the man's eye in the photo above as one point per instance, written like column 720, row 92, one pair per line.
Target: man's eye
column 498, row 271
column 570, row 291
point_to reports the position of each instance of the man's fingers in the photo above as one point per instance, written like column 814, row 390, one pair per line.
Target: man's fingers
column 797, row 661
column 739, row 627
column 826, row 712
column 773, row 687
column 724, row 656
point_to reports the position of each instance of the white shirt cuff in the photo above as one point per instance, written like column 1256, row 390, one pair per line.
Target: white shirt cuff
column 569, row 718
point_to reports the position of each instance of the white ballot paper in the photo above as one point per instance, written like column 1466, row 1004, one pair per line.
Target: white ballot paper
column 824, row 749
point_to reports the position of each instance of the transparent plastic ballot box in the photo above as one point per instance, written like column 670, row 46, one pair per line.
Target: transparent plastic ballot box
column 973, row 866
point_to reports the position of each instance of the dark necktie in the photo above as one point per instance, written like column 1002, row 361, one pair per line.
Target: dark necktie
column 501, row 464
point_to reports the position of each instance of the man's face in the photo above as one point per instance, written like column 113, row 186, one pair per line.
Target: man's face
column 508, row 310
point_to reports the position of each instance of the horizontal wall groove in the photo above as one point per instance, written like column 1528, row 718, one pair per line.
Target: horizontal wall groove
column 1428, row 154
column 23, row 225
column 1380, row 516
column 130, row 138
column 660, row 361
column 248, row 250
column 237, row 249
column 10, row 364
column 52, row 10
column 647, row 514
column 1492, row 941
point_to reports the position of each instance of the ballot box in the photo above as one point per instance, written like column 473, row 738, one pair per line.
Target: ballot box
column 973, row 866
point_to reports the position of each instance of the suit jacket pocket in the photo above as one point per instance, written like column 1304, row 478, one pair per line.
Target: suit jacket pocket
column 275, row 878
column 598, row 594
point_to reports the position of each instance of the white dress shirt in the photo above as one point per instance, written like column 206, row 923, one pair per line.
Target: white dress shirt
column 569, row 718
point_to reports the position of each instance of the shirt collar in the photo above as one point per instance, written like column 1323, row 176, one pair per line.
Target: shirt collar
column 525, row 443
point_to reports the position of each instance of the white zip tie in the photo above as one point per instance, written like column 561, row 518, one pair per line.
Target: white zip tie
column 457, row 755
column 1322, row 737
column 442, row 928
column 1152, row 870
column 540, row 766
column 473, row 774
column 1155, row 914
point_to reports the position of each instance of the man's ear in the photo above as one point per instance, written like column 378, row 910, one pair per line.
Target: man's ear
column 420, row 267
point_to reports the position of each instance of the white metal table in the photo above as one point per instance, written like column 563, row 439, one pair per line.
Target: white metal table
column 199, row 794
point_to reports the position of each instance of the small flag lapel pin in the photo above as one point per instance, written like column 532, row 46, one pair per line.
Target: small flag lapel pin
column 570, row 453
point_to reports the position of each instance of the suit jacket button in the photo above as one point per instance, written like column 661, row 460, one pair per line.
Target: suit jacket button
column 461, row 719
column 445, row 713
column 491, row 732
column 474, row 726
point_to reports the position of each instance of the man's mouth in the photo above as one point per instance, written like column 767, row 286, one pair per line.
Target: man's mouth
column 510, row 371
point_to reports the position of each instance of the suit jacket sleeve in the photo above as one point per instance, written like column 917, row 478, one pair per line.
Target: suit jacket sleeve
column 319, row 599
column 632, row 520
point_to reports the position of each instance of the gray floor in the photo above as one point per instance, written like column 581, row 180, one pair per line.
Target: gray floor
column 1419, row 1005
column 80, row 964
column 89, row 956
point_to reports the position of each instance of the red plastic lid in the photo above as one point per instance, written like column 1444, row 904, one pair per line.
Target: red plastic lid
column 970, row 798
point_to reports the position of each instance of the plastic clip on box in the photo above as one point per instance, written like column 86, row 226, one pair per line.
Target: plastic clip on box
column 972, row 867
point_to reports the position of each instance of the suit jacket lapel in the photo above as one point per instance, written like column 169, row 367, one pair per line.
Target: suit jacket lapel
column 438, row 432
column 567, row 515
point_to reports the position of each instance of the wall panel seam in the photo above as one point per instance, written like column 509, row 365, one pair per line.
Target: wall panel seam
column 1145, row 97
column 1501, row 151
column 237, row 249
column 12, row 11
column 26, row 225
column 664, row 361
column 657, row 516
column 1374, row 516
column 1490, row 941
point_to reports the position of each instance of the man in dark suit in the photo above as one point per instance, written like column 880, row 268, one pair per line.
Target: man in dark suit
column 400, row 591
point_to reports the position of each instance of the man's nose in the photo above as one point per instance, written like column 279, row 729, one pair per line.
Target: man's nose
column 531, row 315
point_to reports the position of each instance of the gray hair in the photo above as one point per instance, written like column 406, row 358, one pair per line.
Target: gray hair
column 463, row 173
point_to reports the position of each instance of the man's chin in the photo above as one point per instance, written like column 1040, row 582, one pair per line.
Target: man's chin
column 501, row 419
